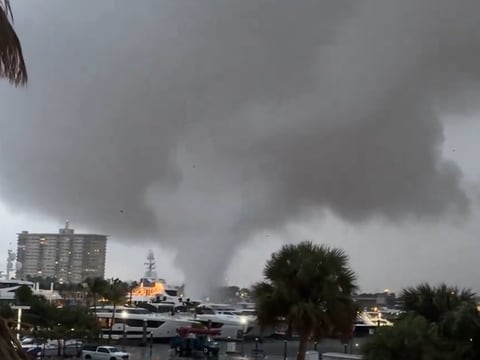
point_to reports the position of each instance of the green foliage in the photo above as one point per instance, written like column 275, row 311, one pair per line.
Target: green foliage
column 312, row 287
column 97, row 287
column 41, row 313
column 434, row 303
column 116, row 293
column 23, row 295
column 6, row 312
column 73, row 321
column 54, row 322
column 441, row 323
column 413, row 338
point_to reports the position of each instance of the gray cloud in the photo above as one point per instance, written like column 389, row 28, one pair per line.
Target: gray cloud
column 204, row 122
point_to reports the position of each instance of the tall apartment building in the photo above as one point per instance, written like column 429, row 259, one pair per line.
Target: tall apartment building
column 66, row 256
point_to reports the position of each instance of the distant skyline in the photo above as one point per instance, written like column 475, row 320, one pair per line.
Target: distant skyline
column 212, row 132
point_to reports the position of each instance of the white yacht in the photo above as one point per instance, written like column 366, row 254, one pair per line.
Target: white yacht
column 135, row 323
column 153, row 289
column 231, row 325
column 8, row 288
column 364, row 325
column 377, row 318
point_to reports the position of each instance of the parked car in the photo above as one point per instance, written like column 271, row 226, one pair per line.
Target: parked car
column 95, row 352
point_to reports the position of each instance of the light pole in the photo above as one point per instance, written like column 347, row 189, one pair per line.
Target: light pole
column 144, row 340
column 19, row 309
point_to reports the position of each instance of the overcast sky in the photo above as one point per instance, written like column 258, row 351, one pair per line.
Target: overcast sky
column 214, row 131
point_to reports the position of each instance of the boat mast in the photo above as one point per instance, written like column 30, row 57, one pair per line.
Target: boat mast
column 150, row 265
column 10, row 258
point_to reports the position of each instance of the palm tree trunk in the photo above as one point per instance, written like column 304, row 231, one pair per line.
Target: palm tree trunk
column 302, row 346
column 289, row 332
column 111, row 322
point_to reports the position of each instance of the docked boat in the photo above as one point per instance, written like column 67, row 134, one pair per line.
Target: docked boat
column 154, row 290
column 377, row 318
column 138, row 323
column 150, row 288
column 231, row 325
column 365, row 325
column 8, row 287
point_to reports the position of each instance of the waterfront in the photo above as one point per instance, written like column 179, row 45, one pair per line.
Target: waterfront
column 273, row 349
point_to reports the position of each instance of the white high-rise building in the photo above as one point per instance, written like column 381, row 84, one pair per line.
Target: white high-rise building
column 65, row 256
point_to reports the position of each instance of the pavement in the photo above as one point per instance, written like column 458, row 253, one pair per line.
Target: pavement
column 273, row 350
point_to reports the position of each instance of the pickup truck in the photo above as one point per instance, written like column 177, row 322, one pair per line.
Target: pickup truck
column 94, row 352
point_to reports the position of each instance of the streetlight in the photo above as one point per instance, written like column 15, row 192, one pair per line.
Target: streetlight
column 19, row 309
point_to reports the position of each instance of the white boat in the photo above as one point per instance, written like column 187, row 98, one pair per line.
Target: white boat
column 151, row 288
column 376, row 318
column 135, row 323
column 231, row 325
column 9, row 287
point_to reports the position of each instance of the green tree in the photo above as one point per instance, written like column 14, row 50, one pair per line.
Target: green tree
column 434, row 303
column 116, row 294
column 131, row 285
column 312, row 287
column 41, row 312
column 6, row 311
column 23, row 295
column 12, row 63
column 96, row 287
column 413, row 338
column 461, row 330
column 441, row 323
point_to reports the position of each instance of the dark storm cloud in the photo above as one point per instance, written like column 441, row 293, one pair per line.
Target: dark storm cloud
column 201, row 122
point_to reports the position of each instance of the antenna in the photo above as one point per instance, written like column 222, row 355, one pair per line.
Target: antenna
column 10, row 258
column 150, row 265
column 67, row 222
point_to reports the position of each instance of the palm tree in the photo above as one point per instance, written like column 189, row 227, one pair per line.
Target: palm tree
column 116, row 294
column 461, row 330
column 96, row 286
column 12, row 64
column 131, row 285
column 10, row 349
column 412, row 338
column 311, row 287
column 441, row 323
column 434, row 303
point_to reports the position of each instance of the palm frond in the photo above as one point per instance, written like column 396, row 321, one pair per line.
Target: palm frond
column 271, row 303
column 12, row 63
column 435, row 302
column 312, row 287
column 412, row 338
column 10, row 349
